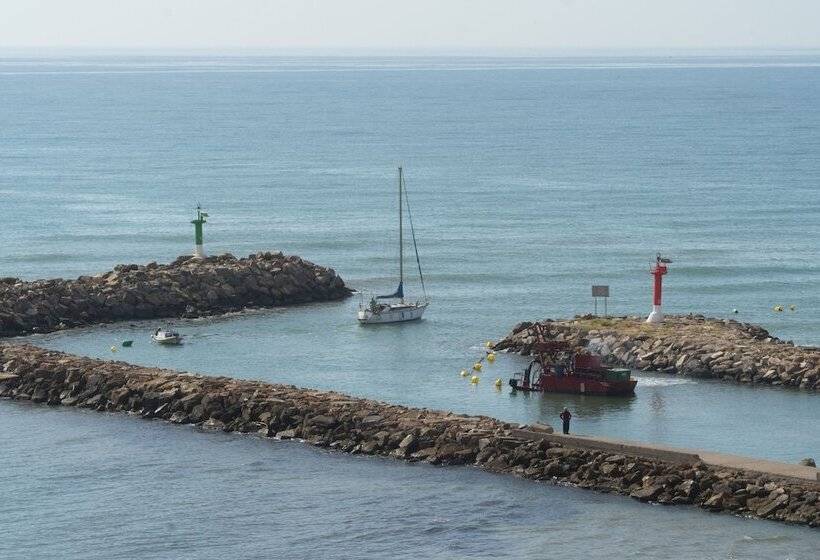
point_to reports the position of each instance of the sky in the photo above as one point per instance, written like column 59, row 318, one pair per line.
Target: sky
column 481, row 25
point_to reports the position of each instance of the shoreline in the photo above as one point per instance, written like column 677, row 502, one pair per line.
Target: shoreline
column 647, row 473
column 690, row 345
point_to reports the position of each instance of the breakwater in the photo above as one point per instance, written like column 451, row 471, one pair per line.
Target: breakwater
column 355, row 425
column 690, row 345
column 187, row 287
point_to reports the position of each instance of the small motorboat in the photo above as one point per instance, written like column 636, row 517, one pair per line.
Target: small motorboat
column 167, row 337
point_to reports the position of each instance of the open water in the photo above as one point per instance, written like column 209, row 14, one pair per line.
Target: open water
column 530, row 180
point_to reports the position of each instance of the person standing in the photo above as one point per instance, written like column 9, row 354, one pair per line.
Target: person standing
column 565, row 416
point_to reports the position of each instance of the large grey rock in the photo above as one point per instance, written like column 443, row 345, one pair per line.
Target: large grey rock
column 647, row 493
column 773, row 505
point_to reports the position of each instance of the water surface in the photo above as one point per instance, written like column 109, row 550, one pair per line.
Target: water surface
column 530, row 179
column 116, row 487
column 321, row 346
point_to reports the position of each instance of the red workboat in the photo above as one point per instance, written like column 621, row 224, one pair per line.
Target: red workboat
column 557, row 368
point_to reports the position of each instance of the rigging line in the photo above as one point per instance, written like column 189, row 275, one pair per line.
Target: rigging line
column 413, row 233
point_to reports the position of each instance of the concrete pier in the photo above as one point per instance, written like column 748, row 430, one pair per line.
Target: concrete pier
column 649, row 473
column 683, row 456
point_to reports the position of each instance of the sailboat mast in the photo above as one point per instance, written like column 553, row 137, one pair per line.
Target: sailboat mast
column 401, row 236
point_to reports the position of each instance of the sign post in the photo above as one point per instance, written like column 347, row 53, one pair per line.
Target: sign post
column 600, row 292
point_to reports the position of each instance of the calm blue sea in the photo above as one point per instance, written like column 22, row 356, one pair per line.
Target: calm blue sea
column 530, row 180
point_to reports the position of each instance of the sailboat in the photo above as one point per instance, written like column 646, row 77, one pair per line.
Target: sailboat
column 393, row 308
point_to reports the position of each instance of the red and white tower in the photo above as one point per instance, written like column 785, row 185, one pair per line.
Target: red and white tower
column 657, row 270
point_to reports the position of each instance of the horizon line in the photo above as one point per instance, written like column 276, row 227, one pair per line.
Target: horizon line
column 340, row 51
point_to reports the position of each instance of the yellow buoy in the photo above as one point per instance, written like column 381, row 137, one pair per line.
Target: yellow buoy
column 113, row 348
column 477, row 366
column 491, row 357
column 474, row 379
column 498, row 383
column 463, row 373
column 778, row 308
column 489, row 344
column 792, row 307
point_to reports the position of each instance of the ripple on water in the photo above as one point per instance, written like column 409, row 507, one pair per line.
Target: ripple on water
column 313, row 503
column 519, row 236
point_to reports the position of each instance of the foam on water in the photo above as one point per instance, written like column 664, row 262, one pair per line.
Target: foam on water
column 667, row 381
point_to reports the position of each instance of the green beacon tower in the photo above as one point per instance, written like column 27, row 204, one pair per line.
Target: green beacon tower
column 199, row 252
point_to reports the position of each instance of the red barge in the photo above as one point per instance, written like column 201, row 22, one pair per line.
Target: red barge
column 558, row 369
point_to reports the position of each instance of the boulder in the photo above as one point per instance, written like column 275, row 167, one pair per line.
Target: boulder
column 772, row 505
column 647, row 493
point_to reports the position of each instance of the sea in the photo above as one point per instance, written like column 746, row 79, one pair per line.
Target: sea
column 530, row 179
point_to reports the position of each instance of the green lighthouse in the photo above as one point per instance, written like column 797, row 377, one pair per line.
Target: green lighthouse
column 199, row 252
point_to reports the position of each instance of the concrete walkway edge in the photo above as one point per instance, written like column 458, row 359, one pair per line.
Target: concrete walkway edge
column 676, row 454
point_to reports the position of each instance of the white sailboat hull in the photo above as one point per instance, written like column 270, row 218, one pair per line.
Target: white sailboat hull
column 394, row 313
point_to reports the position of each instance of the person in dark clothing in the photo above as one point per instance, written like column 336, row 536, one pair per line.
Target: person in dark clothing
column 565, row 416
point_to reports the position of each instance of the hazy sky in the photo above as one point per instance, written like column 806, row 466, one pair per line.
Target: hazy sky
column 424, row 24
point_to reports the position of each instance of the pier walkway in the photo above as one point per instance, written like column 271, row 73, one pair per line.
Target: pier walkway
column 679, row 455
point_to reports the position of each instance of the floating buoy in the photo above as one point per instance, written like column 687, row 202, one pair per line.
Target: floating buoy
column 113, row 348
column 734, row 310
column 477, row 366
column 498, row 383
column 792, row 307
column 474, row 379
column 463, row 373
column 491, row 357
column 488, row 344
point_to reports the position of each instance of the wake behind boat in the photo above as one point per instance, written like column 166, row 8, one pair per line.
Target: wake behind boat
column 397, row 311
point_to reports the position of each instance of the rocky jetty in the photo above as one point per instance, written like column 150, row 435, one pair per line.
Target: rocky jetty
column 690, row 345
column 188, row 287
column 356, row 425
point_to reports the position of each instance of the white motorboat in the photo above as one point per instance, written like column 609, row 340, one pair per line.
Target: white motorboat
column 393, row 311
column 167, row 337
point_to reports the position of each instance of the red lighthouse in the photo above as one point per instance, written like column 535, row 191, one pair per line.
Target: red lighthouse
column 657, row 270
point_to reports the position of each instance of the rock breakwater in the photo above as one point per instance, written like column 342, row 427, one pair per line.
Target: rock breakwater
column 690, row 345
column 187, row 287
column 354, row 425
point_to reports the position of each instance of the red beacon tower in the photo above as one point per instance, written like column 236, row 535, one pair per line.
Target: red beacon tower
column 657, row 270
